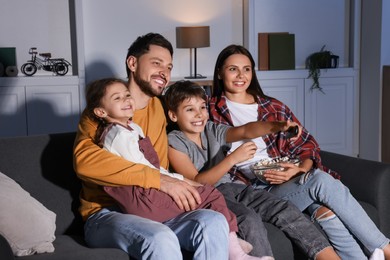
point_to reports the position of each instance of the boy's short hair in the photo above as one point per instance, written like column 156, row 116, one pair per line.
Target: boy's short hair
column 180, row 91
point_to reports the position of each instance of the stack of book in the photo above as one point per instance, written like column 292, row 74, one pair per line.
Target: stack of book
column 276, row 51
column 8, row 61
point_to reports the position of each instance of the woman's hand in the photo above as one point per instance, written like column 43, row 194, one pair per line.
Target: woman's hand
column 293, row 124
column 279, row 177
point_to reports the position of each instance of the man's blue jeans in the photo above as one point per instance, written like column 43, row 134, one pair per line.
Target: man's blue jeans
column 317, row 188
column 204, row 232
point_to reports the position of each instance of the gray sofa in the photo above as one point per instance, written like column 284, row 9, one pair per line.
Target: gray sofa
column 43, row 166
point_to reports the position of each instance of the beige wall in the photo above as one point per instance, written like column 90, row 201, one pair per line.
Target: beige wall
column 40, row 23
column 110, row 27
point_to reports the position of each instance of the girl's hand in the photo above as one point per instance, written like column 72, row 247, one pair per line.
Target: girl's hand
column 279, row 177
column 244, row 152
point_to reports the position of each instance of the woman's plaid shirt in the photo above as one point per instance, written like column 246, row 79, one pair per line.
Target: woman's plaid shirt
column 270, row 109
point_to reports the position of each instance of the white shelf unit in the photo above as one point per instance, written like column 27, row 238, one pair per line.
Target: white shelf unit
column 45, row 103
column 333, row 116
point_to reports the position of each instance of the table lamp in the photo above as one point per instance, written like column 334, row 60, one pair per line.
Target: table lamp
column 193, row 37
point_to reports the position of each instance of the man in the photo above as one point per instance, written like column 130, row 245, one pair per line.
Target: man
column 205, row 232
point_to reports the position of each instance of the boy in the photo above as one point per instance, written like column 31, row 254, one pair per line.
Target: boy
column 197, row 152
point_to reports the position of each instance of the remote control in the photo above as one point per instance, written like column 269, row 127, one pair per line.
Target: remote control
column 292, row 132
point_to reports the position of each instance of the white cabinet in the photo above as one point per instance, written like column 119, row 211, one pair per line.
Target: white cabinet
column 289, row 91
column 330, row 116
column 38, row 105
column 12, row 111
column 52, row 109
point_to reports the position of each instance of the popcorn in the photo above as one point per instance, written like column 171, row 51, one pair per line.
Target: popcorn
column 271, row 164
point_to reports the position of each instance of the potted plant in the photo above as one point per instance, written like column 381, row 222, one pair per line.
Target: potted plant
column 320, row 60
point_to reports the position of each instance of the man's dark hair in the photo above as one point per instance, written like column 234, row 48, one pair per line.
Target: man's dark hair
column 142, row 45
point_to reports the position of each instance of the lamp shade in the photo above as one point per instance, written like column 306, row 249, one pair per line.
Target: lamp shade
column 193, row 37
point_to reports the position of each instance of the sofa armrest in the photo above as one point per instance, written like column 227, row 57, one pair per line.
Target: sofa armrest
column 368, row 181
column 5, row 249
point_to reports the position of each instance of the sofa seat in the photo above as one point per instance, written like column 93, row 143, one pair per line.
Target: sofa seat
column 74, row 248
column 43, row 165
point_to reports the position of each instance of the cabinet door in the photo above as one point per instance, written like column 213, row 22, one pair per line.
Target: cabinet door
column 52, row 109
column 288, row 91
column 329, row 116
column 12, row 112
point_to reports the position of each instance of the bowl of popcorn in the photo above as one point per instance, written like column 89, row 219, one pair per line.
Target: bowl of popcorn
column 263, row 165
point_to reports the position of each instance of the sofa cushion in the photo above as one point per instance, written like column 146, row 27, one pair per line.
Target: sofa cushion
column 74, row 248
column 27, row 225
column 46, row 161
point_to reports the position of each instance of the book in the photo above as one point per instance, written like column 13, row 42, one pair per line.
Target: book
column 263, row 57
column 263, row 49
column 8, row 56
column 281, row 51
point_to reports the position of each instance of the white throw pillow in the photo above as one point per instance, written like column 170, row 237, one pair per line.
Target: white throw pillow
column 27, row 225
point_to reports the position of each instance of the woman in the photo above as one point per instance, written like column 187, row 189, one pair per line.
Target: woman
column 237, row 99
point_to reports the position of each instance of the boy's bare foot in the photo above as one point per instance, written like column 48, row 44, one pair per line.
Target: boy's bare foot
column 245, row 245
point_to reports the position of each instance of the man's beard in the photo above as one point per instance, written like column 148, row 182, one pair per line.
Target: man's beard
column 145, row 86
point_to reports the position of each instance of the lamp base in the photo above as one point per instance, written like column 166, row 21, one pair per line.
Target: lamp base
column 195, row 77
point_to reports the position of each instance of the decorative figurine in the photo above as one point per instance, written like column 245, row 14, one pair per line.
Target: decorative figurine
column 59, row 66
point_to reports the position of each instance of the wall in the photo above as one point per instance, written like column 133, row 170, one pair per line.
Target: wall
column 374, row 54
column 385, row 60
column 385, row 50
column 314, row 23
column 40, row 23
column 111, row 26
